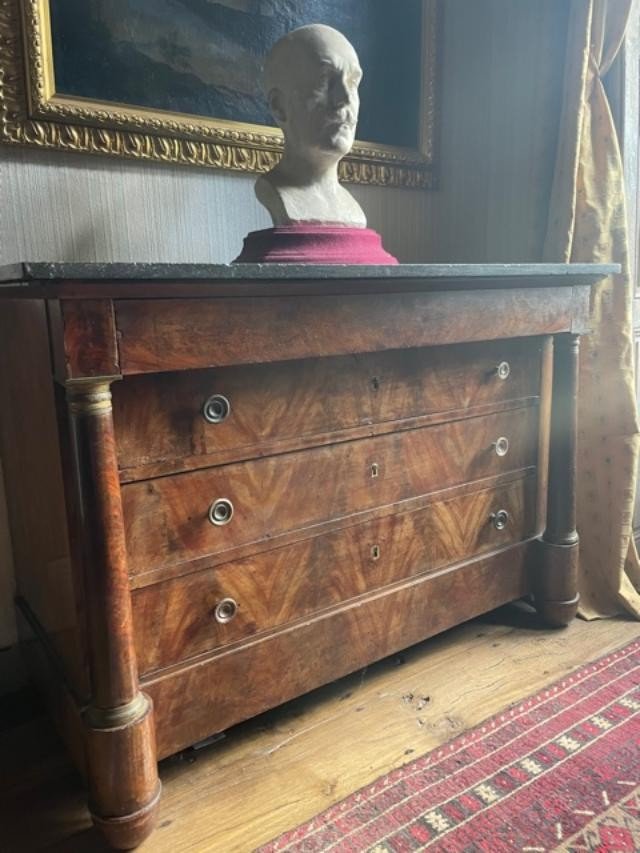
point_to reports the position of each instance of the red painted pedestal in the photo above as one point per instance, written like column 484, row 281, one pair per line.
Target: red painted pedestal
column 314, row 244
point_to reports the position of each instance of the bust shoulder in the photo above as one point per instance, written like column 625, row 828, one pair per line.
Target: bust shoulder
column 312, row 203
column 269, row 196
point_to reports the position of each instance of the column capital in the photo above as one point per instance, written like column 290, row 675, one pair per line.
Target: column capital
column 90, row 395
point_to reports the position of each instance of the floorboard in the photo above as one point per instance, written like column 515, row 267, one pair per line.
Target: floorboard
column 277, row 770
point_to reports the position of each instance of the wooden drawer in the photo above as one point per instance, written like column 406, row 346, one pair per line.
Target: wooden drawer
column 167, row 519
column 161, row 425
column 187, row 334
column 176, row 619
column 211, row 694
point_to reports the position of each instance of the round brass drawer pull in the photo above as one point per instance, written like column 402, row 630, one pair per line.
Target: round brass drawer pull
column 216, row 409
column 501, row 446
column 221, row 512
column 503, row 370
column 225, row 610
column 500, row 519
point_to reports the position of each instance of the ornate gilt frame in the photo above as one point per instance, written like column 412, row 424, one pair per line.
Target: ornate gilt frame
column 32, row 113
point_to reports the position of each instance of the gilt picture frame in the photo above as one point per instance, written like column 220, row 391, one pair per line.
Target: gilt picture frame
column 143, row 90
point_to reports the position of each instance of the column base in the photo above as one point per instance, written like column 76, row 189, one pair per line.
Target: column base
column 123, row 771
column 557, row 614
column 556, row 584
column 128, row 831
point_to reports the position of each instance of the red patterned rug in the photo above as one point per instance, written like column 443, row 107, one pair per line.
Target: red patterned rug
column 557, row 771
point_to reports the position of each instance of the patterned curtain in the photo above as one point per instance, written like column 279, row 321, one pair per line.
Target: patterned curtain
column 587, row 222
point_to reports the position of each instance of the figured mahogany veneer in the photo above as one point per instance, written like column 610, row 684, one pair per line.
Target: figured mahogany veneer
column 395, row 447
column 291, row 404
column 175, row 620
column 166, row 520
column 256, row 676
column 189, row 333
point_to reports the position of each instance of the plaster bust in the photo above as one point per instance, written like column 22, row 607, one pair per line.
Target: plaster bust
column 311, row 80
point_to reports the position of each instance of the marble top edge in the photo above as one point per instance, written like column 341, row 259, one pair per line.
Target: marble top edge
column 45, row 271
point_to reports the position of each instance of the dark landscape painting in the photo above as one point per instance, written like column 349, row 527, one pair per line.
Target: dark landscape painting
column 204, row 58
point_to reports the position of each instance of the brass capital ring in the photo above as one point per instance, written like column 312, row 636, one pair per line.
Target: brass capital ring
column 89, row 396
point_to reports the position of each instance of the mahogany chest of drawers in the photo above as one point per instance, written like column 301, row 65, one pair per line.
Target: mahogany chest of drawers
column 229, row 485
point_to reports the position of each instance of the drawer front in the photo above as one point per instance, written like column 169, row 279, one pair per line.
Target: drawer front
column 210, row 695
column 175, row 519
column 187, row 616
column 178, row 421
column 187, row 334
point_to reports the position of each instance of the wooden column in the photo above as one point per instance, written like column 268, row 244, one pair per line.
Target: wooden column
column 557, row 583
column 121, row 754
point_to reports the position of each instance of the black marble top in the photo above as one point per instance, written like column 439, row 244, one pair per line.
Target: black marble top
column 42, row 271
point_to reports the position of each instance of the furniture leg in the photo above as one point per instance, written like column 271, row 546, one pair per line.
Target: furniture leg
column 121, row 755
column 557, row 584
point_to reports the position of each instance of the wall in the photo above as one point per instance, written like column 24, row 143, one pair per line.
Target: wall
column 501, row 88
column 76, row 207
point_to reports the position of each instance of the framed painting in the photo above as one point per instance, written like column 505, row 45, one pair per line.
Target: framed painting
column 178, row 81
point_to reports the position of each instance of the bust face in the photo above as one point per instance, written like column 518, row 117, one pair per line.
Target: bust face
column 314, row 98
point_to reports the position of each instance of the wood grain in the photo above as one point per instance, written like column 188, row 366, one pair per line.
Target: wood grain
column 121, row 758
column 557, row 593
column 124, row 789
column 161, row 428
column 354, row 421
column 370, row 629
column 166, row 519
column 236, row 793
column 175, row 620
column 113, row 664
column 544, row 433
column 493, row 205
column 83, row 338
column 179, row 334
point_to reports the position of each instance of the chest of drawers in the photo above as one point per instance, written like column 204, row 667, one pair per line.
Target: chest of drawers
column 228, row 486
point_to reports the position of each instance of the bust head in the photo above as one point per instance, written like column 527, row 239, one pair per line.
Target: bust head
column 311, row 81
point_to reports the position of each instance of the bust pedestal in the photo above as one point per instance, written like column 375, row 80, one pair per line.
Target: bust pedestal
column 314, row 244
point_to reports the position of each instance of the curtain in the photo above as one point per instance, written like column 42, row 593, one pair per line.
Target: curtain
column 587, row 222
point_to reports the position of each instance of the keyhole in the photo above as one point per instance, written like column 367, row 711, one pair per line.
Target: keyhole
column 375, row 470
column 376, row 383
column 375, row 552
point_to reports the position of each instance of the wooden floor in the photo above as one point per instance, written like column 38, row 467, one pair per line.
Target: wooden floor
column 275, row 771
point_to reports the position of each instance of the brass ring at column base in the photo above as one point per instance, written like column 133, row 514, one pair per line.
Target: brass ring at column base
column 112, row 718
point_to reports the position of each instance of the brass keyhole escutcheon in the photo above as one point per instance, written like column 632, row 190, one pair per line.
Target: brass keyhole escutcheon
column 375, row 470
column 221, row 512
column 499, row 519
column 216, row 409
column 375, row 552
column 225, row 610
